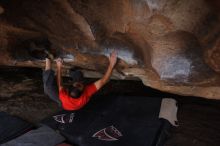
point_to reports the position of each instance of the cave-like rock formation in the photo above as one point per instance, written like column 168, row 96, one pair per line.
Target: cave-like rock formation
column 171, row 45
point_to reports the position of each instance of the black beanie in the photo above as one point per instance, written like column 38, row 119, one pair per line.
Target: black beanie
column 76, row 75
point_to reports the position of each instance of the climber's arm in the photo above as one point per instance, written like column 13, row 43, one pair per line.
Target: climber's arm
column 59, row 73
column 112, row 61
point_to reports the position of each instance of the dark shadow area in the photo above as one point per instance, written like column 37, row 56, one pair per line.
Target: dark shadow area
column 21, row 94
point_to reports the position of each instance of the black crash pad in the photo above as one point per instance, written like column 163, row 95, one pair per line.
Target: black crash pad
column 12, row 127
column 113, row 121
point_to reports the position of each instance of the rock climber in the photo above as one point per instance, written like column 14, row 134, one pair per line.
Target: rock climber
column 78, row 94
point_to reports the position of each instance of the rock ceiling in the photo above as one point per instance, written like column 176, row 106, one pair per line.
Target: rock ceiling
column 172, row 46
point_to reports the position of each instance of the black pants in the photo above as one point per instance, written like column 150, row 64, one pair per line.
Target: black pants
column 50, row 85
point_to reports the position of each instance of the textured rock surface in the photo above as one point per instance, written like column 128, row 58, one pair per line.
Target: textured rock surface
column 170, row 45
column 21, row 94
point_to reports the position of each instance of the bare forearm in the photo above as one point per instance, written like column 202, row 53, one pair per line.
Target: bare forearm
column 101, row 82
column 59, row 73
column 107, row 75
column 59, row 78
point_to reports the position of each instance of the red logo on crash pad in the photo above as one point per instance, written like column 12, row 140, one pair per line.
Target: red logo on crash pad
column 108, row 134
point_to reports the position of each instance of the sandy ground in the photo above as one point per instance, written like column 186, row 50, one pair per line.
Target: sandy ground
column 21, row 94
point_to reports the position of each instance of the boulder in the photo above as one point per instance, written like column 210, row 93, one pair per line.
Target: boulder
column 173, row 46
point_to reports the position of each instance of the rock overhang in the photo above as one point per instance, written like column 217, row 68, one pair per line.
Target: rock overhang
column 170, row 45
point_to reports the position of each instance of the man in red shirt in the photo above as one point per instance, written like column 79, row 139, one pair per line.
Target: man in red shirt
column 78, row 94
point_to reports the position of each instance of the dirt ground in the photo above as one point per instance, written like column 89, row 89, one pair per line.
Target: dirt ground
column 21, row 94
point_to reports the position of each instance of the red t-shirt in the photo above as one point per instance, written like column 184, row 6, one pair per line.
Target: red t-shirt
column 70, row 103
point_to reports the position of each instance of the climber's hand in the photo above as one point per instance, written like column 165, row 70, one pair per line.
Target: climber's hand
column 59, row 62
column 113, row 59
